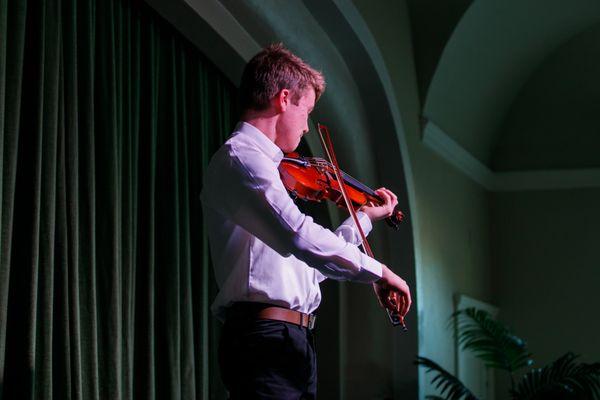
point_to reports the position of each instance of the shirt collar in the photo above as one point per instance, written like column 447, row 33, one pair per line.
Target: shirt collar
column 264, row 143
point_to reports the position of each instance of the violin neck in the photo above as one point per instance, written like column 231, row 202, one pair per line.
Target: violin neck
column 358, row 185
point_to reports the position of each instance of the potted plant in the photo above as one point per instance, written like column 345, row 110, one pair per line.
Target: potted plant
column 494, row 344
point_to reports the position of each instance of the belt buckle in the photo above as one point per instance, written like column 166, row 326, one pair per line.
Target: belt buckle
column 311, row 321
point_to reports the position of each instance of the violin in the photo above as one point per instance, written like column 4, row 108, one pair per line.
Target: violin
column 314, row 179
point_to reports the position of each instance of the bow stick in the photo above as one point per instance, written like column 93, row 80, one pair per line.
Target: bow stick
column 394, row 317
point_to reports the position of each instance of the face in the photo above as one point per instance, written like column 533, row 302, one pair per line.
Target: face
column 293, row 120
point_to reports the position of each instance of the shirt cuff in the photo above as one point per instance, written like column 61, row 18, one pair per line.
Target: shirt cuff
column 365, row 222
column 371, row 270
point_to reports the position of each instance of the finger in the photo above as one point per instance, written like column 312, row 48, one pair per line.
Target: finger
column 398, row 302
column 393, row 200
column 404, row 310
column 383, row 192
column 400, row 305
column 387, row 200
column 391, row 303
column 407, row 304
column 392, row 196
column 393, row 298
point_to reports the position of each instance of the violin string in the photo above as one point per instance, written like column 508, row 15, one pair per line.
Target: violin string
column 347, row 178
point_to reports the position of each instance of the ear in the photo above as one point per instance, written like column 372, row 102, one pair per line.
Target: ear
column 283, row 100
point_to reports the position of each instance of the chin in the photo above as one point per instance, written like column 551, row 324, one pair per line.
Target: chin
column 296, row 146
column 289, row 149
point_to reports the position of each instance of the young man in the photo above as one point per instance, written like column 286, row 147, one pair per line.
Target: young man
column 269, row 257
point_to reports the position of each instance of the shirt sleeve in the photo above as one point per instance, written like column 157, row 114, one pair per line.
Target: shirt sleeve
column 252, row 195
column 348, row 231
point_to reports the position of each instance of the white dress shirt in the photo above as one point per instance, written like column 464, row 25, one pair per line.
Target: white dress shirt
column 263, row 248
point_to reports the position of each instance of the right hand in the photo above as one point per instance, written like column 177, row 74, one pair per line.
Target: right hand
column 393, row 292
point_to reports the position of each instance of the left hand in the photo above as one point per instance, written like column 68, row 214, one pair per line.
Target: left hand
column 376, row 213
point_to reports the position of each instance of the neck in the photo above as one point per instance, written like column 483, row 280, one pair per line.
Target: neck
column 264, row 121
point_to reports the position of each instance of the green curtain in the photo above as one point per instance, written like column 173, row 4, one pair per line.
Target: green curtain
column 107, row 118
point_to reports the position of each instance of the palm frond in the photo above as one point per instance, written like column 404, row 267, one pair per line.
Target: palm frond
column 448, row 385
column 564, row 378
column 490, row 341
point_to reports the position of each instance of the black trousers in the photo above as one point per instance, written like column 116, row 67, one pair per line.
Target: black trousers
column 265, row 359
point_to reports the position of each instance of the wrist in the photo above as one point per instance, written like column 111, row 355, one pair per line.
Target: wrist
column 384, row 274
column 363, row 210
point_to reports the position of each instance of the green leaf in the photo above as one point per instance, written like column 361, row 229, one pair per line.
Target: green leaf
column 564, row 378
column 448, row 385
column 490, row 341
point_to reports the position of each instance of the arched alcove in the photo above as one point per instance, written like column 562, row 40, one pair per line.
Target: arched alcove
column 360, row 110
column 494, row 50
column 555, row 113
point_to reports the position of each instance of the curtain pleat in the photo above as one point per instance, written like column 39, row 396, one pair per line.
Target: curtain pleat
column 4, row 272
column 70, row 218
column 86, row 74
column 187, row 365
column 107, row 120
column 12, row 45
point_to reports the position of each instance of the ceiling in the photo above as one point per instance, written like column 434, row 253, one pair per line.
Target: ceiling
column 516, row 84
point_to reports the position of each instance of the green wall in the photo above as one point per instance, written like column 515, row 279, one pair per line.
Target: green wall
column 546, row 256
column 547, row 269
column 453, row 224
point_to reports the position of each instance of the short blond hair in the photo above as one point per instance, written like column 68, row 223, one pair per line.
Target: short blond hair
column 273, row 69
